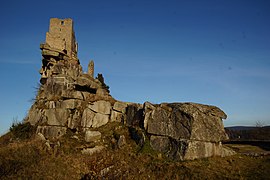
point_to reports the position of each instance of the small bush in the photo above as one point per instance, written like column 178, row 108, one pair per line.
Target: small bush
column 22, row 130
column 101, row 79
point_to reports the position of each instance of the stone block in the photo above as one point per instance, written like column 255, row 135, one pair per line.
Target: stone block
column 70, row 103
column 100, row 120
column 102, row 107
column 160, row 143
column 74, row 120
column 51, row 131
column 87, row 118
column 102, row 92
column 186, row 121
column 34, row 115
column 120, row 106
column 92, row 136
column 200, row 149
column 116, row 116
column 57, row 117
column 72, row 95
column 46, row 52
column 88, row 82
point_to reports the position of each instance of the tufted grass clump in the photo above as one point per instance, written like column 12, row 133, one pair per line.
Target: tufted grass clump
column 22, row 130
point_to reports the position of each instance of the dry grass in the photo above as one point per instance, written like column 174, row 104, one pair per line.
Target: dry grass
column 31, row 159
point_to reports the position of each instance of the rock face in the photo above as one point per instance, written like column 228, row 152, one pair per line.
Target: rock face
column 185, row 130
column 67, row 98
column 70, row 99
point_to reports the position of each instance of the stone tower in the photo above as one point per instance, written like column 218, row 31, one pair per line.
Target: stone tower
column 91, row 68
column 62, row 37
column 59, row 49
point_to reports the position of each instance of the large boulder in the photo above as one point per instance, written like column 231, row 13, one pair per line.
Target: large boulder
column 186, row 121
column 184, row 130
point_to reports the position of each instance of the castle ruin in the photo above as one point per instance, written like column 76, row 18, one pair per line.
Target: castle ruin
column 69, row 99
column 61, row 36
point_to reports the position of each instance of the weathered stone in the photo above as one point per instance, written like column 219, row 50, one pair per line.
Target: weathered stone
column 87, row 118
column 91, row 151
column 51, row 131
column 91, row 68
column 100, row 120
column 57, row 117
column 52, row 104
column 102, row 92
column 41, row 136
column 77, row 95
column 160, row 143
column 117, row 116
column 120, row 106
column 84, row 81
column 92, row 136
column 186, row 121
column 74, row 120
column 148, row 108
column 160, row 123
column 46, row 52
column 134, row 115
column 34, row 115
column 121, row 141
column 72, row 95
column 102, row 107
column 69, row 104
column 200, row 149
column 166, row 107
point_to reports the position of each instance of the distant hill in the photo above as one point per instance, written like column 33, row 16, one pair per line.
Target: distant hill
column 235, row 128
column 248, row 133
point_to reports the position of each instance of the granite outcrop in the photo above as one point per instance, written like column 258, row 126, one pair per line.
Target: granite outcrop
column 69, row 99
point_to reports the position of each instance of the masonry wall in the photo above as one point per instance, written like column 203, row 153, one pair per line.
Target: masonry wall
column 61, row 36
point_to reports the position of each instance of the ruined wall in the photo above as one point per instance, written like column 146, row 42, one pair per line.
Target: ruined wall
column 69, row 99
column 61, row 36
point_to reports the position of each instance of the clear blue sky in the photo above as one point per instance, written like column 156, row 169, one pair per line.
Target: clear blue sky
column 212, row 52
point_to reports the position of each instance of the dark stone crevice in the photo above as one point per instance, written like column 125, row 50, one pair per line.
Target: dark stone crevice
column 85, row 89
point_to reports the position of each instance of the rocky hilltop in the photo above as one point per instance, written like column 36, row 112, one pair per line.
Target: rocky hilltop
column 69, row 99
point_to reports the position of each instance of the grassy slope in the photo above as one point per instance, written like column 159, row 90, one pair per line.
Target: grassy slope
column 31, row 158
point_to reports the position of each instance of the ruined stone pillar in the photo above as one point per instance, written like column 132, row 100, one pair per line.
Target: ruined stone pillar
column 91, row 68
